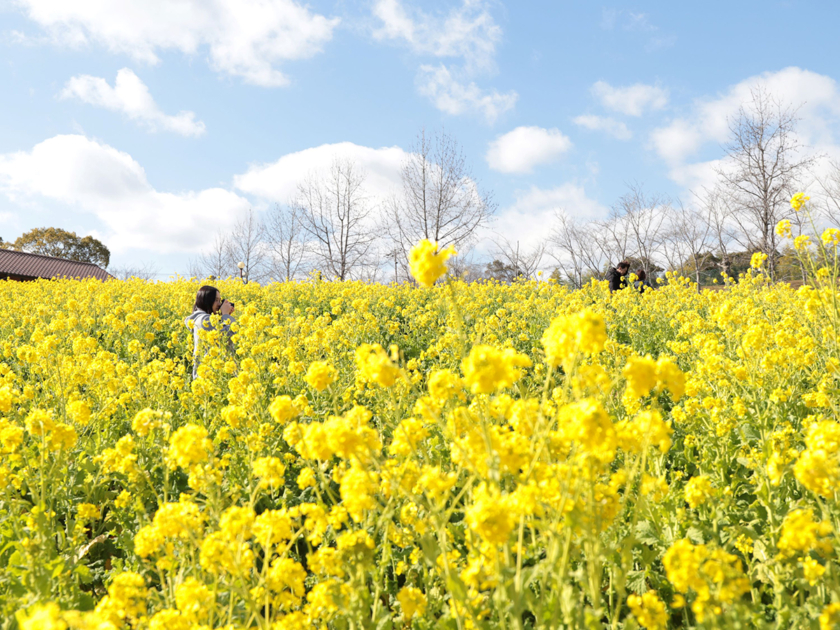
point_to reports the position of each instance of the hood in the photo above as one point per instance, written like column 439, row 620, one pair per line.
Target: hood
column 195, row 317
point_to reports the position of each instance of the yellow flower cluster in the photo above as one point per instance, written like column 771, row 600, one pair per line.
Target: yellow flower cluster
column 427, row 263
column 488, row 369
column 714, row 575
column 698, row 490
column 801, row 534
column 649, row 611
column 566, row 336
column 375, row 366
column 644, row 374
column 463, row 456
column 818, row 467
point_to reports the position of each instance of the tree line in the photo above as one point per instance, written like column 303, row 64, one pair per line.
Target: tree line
column 726, row 222
column 332, row 226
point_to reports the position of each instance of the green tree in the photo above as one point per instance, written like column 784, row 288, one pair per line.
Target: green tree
column 63, row 244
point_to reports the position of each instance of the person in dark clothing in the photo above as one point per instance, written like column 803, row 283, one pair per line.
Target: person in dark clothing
column 615, row 275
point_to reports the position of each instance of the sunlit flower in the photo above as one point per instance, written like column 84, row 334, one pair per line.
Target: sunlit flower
column 798, row 200
column 412, row 601
column 320, row 375
column 427, row 263
column 649, row 611
column 488, row 369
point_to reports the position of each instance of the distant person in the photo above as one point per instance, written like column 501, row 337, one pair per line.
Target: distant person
column 208, row 301
column 641, row 283
column 616, row 275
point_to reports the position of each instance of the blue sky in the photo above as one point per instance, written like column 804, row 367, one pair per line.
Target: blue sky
column 222, row 105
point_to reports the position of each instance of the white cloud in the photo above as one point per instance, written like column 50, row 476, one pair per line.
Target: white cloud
column 637, row 23
column 529, row 219
column 131, row 97
column 708, row 120
column 278, row 181
column 613, row 127
column 454, row 97
column 698, row 176
column 467, row 31
column 520, row 150
column 244, row 38
column 93, row 177
column 609, row 18
column 632, row 100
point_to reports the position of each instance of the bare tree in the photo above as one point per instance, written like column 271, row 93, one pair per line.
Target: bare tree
column 440, row 200
column 395, row 255
column 245, row 244
column 337, row 216
column 146, row 271
column 688, row 238
column 285, row 241
column 215, row 261
column 464, row 265
column 716, row 211
column 762, row 170
column 371, row 271
column 644, row 216
column 566, row 248
column 613, row 237
column 525, row 262
column 675, row 250
column 830, row 185
column 575, row 249
column 195, row 269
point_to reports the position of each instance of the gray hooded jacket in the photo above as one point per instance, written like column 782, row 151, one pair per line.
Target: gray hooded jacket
column 201, row 321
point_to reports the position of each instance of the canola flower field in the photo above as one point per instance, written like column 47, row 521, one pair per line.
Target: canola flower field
column 455, row 456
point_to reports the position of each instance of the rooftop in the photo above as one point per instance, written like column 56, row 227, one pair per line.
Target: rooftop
column 24, row 266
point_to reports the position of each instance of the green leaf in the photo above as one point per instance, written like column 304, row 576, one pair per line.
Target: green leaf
column 695, row 536
column 646, row 534
column 636, row 581
column 84, row 574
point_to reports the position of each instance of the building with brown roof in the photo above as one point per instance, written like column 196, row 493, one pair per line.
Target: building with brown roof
column 23, row 266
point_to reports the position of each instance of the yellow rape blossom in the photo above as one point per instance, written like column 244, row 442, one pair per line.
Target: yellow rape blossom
column 757, row 260
column 802, row 534
column 269, row 470
column 427, row 264
column 463, row 442
column 320, row 375
column 583, row 332
column 783, row 228
column 375, row 366
column 283, row 409
column 488, row 369
column 698, row 490
column 189, row 445
column 412, row 601
column 830, row 237
column 798, row 200
column 193, row 599
column 648, row 610
column 830, row 617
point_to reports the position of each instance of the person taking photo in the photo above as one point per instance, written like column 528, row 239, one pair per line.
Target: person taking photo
column 208, row 301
